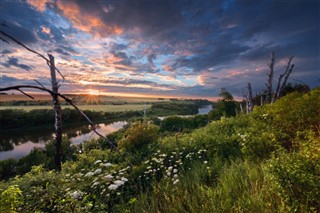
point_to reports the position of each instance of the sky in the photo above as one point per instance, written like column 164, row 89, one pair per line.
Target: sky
column 187, row 48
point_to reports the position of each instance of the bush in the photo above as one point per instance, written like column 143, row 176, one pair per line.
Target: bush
column 139, row 135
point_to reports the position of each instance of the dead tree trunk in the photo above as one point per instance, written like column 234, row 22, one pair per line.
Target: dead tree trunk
column 57, row 115
column 250, row 98
column 286, row 74
column 270, row 78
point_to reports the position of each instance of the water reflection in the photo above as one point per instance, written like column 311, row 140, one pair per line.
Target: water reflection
column 18, row 143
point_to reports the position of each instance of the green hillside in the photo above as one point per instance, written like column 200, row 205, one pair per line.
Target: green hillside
column 267, row 161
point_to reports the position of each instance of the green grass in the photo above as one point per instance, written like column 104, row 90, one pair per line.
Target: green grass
column 103, row 108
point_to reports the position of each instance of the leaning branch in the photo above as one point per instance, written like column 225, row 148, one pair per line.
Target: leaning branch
column 93, row 126
column 27, row 48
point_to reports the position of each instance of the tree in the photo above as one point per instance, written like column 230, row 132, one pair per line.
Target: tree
column 54, row 92
column 224, row 107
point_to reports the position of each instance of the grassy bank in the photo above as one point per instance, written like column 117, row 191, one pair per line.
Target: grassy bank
column 267, row 161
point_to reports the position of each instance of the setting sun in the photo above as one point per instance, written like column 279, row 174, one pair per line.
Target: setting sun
column 93, row 92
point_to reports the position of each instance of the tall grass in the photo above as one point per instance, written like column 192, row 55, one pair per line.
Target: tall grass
column 237, row 186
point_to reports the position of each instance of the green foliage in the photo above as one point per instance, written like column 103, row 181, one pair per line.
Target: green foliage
column 267, row 161
column 10, row 198
column 224, row 107
column 297, row 176
column 173, row 108
column 139, row 135
column 7, row 168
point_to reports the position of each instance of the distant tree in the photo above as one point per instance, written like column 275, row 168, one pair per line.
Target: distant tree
column 226, row 106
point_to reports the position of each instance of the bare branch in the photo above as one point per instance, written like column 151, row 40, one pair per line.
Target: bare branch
column 18, row 87
column 25, row 94
column 29, row 49
column 39, row 83
column 279, row 89
column 270, row 77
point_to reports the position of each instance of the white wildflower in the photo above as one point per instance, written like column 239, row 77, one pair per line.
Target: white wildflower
column 107, row 165
column 97, row 171
column 124, row 179
column 98, row 161
column 170, row 168
column 175, row 176
column 205, row 162
column 168, row 173
column 118, row 182
column 112, row 187
column 95, row 184
column 176, row 181
column 77, row 195
column 108, row 177
column 89, row 174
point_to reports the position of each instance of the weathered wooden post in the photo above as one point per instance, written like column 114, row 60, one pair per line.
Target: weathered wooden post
column 57, row 115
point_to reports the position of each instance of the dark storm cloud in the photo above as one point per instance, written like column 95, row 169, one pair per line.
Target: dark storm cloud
column 6, row 78
column 15, row 63
column 6, row 52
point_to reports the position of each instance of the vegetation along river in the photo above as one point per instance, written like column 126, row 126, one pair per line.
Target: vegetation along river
column 19, row 143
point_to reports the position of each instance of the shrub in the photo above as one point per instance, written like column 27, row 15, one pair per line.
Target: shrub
column 139, row 135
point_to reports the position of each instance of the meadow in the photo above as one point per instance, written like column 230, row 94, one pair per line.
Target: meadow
column 266, row 161
column 102, row 108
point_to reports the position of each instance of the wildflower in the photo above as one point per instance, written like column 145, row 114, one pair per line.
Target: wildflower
column 149, row 167
column 175, row 176
column 146, row 162
column 118, row 182
column 108, row 177
column 97, row 171
column 175, row 170
column 205, row 162
column 112, row 187
column 95, row 184
column 124, row 179
column 176, row 181
column 170, row 168
column 77, row 195
column 107, row 165
column 168, row 173
column 89, row 174
column 98, row 161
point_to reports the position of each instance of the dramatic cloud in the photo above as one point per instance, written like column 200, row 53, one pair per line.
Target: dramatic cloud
column 15, row 63
column 169, row 47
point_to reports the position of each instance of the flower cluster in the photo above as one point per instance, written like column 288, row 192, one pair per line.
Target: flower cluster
column 170, row 166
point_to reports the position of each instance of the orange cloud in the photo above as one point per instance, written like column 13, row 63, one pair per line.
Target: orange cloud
column 86, row 22
column 38, row 4
column 167, row 68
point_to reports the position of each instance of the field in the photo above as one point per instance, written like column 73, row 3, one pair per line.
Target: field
column 103, row 108
column 83, row 98
column 85, row 102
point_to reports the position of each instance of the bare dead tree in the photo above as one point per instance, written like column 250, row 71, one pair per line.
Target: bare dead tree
column 250, row 98
column 270, row 78
column 55, row 96
column 286, row 75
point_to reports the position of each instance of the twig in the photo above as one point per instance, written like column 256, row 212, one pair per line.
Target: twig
column 39, row 83
column 25, row 94
column 29, row 49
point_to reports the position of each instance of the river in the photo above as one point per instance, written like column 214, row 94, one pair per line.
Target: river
column 19, row 143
